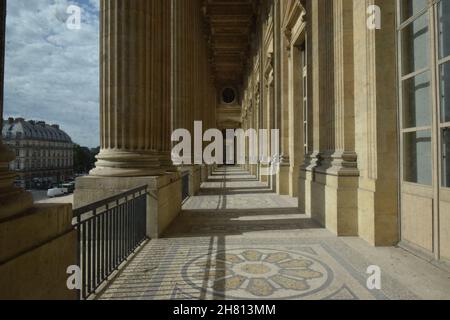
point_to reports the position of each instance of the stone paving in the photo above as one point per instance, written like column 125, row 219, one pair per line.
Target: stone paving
column 238, row 240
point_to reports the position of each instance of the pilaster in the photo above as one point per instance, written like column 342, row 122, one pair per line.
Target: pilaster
column 376, row 124
column 339, row 171
column 321, row 98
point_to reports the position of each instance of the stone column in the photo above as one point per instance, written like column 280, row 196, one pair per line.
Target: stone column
column 340, row 167
column 344, row 157
column 12, row 200
column 282, row 101
column 135, row 108
column 191, row 79
column 376, row 124
column 297, row 104
column 255, row 126
column 321, row 99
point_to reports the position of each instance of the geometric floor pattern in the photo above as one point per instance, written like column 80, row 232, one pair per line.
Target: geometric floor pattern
column 239, row 240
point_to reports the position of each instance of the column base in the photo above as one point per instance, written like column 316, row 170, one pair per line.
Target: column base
column 204, row 173
column 14, row 202
column 377, row 213
column 306, row 178
column 283, row 179
column 335, row 203
column 264, row 168
column 163, row 201
column 113, row 163
column 293, row 181
column 254, row 171
column 328, row 192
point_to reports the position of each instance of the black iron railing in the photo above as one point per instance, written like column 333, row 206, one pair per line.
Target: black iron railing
column 185, row 186
column 109, row 231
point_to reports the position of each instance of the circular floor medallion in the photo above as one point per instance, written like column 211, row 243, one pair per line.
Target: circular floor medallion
column 257, row 274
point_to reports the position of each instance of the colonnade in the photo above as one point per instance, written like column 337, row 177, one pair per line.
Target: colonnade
column 315, row 74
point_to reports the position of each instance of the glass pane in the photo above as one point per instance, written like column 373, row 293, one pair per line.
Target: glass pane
column 410, row 8
column 303, row 53
column 417, row 160
column 415, row 48
column 444, row 74
column 416, row 102
column 446, row 157
column 444, row 26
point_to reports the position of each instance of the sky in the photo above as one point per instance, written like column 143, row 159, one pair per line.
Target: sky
column 51, row 71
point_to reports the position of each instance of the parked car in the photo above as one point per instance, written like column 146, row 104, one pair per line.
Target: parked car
column 55, row 192
column 68, row 187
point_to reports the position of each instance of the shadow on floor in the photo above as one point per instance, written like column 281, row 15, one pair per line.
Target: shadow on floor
column 200, row 218
column 213, row 226
column 200, row 258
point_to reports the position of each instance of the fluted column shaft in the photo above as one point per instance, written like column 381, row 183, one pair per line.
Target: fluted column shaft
column 12, row 200
column 285, row 123
column 322, row 80
column 344, row 157
column 135, row 88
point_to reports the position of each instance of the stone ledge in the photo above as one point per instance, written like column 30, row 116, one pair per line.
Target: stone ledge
column 104, row 187
column 41, row 274
column 163, row 200
column 36, row 226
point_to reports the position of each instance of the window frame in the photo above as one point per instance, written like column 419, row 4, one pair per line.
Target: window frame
column 442, row 125
column 304, row 83
column 434, row 64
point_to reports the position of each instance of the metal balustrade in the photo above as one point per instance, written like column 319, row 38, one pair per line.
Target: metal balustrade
column 109, row 231
column 185, row 186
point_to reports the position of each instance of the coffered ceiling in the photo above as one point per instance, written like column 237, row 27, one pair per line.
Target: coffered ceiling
column 230, row 24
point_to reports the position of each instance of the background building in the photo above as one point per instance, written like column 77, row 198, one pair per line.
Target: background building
column 44, row 153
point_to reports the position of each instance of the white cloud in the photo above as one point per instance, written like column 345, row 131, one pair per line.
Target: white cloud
column 51, row 72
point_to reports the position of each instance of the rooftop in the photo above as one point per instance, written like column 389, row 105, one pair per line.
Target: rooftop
column 19, row 128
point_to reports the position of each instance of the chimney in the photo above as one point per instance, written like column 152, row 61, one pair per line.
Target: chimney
column 41, row 123
column 56, row 126
column 10, row 120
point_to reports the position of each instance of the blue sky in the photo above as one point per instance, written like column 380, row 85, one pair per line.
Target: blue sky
column 51, row 72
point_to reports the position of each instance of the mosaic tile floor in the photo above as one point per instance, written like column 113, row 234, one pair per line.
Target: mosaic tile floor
column 238, row 240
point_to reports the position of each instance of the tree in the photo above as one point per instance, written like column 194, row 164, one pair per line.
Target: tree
column 84, row 159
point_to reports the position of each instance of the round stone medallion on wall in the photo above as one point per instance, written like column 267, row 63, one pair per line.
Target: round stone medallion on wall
column 257, row 274
column 228, row 96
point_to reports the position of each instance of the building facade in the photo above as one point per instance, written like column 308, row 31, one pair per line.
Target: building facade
column 44, row 153
column 359, row 91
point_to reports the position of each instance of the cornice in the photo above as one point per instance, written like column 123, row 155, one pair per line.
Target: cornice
column 294, row 12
